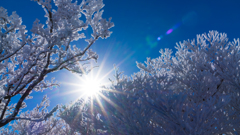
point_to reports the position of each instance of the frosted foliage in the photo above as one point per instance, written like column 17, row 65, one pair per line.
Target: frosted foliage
column 81, row 119
column 194, row 92
column 203, row 78
column 29, row 122
column 25, row 60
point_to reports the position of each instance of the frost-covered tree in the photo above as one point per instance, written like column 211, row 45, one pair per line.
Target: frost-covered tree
column 195, row 91
column 27, row 58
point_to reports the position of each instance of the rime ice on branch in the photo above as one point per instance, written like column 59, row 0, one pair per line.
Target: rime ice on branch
column 26, row 60
column 195, row 91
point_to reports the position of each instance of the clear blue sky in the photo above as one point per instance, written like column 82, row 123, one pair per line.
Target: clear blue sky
column 138, row 24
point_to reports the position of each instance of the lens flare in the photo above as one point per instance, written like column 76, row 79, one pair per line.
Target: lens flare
column 169, row 31
column 189, row 19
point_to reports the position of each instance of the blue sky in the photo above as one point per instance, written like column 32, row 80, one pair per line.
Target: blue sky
column 138, row 24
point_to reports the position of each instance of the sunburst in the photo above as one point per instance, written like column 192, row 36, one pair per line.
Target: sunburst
column 90, row 86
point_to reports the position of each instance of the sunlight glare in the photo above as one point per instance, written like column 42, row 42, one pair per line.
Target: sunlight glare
column 90, row 86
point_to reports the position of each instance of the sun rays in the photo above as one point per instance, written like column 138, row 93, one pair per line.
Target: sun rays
column 93, row 87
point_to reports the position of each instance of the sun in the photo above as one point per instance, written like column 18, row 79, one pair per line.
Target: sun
column 90, row 86
column 87, row 85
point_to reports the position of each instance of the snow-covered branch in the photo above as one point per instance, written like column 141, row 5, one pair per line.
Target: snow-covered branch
column 26, row 60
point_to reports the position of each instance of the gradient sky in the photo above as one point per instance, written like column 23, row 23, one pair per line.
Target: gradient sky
column 139, row 24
